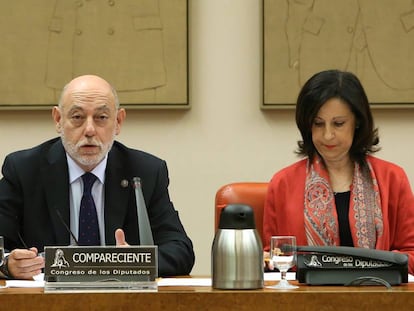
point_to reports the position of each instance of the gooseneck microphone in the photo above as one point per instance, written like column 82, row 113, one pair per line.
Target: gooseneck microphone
column 144, row 227
column 67, row 227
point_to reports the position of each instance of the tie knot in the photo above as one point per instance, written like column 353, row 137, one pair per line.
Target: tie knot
column 88, row 180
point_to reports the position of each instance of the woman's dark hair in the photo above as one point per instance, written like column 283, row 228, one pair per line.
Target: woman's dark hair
column 345, row 86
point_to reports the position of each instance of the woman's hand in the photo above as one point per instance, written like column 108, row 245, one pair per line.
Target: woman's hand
column 267, row 264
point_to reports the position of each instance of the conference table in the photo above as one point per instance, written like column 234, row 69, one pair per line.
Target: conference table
column 306, row 297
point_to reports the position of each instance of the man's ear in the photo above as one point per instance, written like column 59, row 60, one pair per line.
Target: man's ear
column 57, row 117
column 120, row 117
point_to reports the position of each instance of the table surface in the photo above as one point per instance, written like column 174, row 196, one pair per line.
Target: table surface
column 206, row 298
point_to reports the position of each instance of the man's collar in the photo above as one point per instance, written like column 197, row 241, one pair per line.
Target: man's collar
column 75, row 171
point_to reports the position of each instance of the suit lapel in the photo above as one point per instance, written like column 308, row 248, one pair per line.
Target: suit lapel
column 55, row 177
column 117, row 190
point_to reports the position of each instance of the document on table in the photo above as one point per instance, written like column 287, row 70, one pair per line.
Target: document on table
column 38, row 280
column 191, row 281
column 275, row 276
column 271, row 276
column 184, row 282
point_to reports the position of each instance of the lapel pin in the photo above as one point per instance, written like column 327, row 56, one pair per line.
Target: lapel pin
column 124, row 183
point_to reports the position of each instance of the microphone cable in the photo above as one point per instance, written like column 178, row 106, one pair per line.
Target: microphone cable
column 67, row 227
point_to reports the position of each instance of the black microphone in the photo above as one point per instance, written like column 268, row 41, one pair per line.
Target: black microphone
column 21, row 240
column 67, row 227
column 42, row 254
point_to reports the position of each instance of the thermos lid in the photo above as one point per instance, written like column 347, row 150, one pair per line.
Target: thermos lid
column 237, row 216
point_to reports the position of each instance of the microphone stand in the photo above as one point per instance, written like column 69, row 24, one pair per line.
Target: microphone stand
column 144, row 227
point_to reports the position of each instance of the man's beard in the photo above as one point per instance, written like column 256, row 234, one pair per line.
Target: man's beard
column 86, row 160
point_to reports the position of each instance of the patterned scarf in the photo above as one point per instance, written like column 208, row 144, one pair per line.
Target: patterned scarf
column 321, row 221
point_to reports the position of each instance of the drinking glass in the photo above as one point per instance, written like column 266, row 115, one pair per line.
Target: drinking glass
column 1, row 250
column 283, row 257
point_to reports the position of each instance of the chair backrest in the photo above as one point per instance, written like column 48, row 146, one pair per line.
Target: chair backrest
column 249, row 193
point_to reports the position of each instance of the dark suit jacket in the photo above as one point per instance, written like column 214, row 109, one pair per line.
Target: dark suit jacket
column 35, row 185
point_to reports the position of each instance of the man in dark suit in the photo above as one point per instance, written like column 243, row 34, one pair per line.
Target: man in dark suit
column 41, row 188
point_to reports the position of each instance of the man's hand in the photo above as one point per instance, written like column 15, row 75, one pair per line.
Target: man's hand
column 25, row 263
column 268, row 264
column 120, row 238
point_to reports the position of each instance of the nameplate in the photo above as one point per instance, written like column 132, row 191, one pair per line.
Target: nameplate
column 342, row 265
column 335, row 261
column 103, row 267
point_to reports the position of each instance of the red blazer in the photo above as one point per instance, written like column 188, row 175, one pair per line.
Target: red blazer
column 284, row 206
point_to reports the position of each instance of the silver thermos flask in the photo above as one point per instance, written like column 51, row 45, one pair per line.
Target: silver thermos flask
column 237, row 251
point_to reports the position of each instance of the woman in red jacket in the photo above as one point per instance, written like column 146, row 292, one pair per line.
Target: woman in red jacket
column 339, row 194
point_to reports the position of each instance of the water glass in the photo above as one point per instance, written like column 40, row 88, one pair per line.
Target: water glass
column 283, row 256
